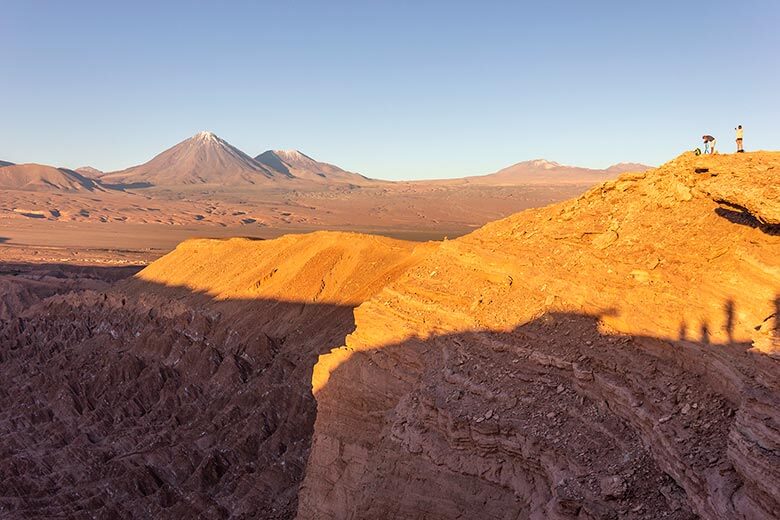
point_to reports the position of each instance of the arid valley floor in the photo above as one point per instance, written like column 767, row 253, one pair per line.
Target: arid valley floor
column 205, row 187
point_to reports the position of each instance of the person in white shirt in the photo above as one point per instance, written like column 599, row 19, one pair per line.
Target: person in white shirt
column 739, row 139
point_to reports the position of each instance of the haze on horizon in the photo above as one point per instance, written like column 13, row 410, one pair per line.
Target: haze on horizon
column 394, row 91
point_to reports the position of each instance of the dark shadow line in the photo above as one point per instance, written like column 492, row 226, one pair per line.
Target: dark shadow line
column 742, row 217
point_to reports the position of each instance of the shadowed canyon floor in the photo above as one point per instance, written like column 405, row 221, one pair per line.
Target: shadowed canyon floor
column 612, row 356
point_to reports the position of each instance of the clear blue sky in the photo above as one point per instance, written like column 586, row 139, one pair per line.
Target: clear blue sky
column 395, row 89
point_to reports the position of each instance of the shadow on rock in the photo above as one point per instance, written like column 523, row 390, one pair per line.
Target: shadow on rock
column 744, row 218
column 180, row 405
column 556, row 419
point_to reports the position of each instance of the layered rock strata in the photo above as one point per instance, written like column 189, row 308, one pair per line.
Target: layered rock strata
column 607, row 357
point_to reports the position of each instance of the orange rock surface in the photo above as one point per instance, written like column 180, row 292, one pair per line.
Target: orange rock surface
column 606, row 357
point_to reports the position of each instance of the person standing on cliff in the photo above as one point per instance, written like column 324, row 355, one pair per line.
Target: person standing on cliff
column 739, row 139
column 709, row 144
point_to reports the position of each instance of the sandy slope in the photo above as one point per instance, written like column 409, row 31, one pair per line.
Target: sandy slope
column 325, row 267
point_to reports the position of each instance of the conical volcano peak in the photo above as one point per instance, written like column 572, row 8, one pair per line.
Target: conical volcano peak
column 298, row 164
column 291, row 154
column 543, row 163
column 296, row 158
column 207, row 136
column 202, row 159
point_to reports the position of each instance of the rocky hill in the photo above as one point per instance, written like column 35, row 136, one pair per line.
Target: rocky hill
column 607, row 357
column 613, row 356
column 39, row 177
column 625, row 167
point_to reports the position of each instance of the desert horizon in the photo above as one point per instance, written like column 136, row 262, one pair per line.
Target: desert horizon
column 205, row 187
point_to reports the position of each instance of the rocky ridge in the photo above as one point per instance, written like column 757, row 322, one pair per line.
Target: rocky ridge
column 613, row 356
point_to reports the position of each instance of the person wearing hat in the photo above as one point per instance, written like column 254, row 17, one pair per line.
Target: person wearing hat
column 709, row 144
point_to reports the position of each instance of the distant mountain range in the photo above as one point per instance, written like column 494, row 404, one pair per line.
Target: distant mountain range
column 201, row 159
column 541, row 171
column 209, row 160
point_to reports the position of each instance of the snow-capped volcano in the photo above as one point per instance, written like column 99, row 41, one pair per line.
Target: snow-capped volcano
column 300, row 165
column 202, row 159
column 89, row 172
column 542, row 163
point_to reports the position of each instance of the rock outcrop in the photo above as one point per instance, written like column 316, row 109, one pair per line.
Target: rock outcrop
column 599, row 358
column 748, row 184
